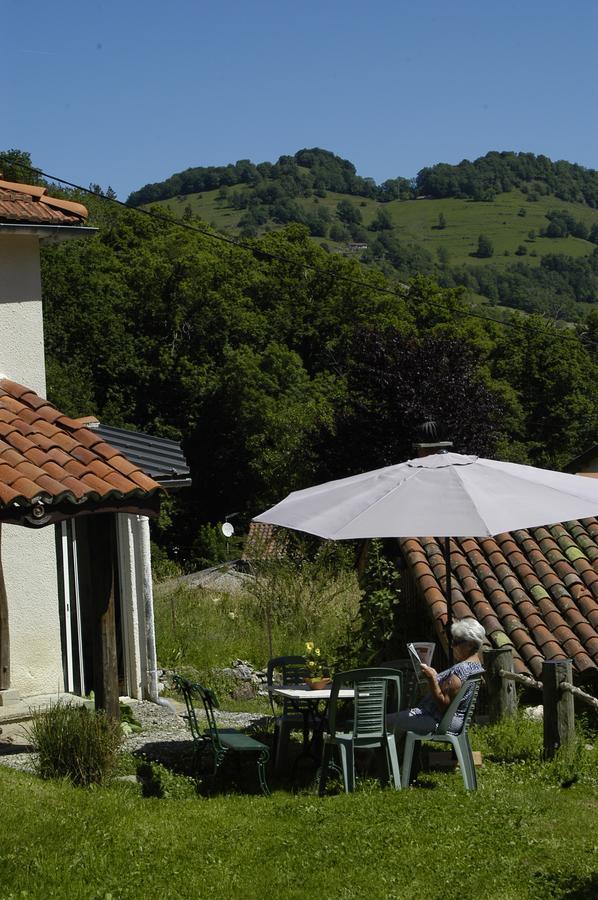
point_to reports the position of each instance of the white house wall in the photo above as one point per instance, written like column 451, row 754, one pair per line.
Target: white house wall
column 21, row 321
column 29, row 563
column 28, row 556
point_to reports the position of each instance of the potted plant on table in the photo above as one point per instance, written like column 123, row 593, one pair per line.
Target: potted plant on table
column 316, row 678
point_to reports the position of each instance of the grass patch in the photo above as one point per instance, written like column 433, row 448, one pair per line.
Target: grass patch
column 512, row 839
column 416, row 221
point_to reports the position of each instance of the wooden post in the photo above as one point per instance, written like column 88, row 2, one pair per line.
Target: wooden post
column 102, row 539
column 502, row 693
column 4, row 632
column 559, row 711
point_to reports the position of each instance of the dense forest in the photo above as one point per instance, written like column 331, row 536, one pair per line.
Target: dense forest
column 278, row 364
column 537, row 212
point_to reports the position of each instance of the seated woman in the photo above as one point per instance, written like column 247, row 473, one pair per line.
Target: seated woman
column 467, row 637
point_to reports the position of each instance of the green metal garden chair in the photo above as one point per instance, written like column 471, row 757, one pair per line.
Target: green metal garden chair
column 443, row 734
column 367, row 729
column 289, row 714
column 220, row 741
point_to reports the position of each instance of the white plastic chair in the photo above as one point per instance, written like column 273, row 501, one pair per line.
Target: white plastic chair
column 442, row 734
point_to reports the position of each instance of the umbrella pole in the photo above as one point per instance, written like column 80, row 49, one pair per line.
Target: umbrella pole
column 449, row 597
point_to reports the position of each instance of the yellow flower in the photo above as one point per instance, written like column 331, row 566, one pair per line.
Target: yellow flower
column 309, row 646
column 317, row 651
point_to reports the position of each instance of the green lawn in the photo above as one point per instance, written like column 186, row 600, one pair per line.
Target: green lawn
column 521, row 836
column 515, row 838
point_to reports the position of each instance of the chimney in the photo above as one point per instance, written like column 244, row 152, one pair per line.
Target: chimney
column 429, row 442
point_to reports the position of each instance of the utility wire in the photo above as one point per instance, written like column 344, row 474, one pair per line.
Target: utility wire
column 277, row 257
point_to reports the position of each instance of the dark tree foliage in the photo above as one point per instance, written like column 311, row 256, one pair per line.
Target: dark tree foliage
column 395, row 382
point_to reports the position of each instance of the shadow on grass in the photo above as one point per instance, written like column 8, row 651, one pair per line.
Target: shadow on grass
column 238, row 774
column 572, row 887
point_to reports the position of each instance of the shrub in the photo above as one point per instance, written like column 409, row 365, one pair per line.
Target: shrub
column 159, row 781
column 74, row 742
column 513, row 739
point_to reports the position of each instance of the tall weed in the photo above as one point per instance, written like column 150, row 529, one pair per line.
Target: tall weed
column 74, row 742
column 286, row 604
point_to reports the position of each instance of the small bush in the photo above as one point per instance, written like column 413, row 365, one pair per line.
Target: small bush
column 74, row 742
column 514, row 739
column 159, row 781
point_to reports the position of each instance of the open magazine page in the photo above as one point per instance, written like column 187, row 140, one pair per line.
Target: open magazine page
column 415, row 661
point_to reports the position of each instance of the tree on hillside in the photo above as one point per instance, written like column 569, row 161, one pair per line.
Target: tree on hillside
column 441, row 222
column 348, row 212
column 382, row 221
column 485, row 247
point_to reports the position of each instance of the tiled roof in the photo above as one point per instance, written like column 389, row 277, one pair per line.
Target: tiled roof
column 48, row 456
column 536, row 590
column 25, row 203
column 264, row 542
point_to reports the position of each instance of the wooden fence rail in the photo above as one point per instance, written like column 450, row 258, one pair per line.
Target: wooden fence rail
column 557, row 689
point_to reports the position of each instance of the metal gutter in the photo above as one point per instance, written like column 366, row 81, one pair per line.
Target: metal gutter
column 48, row 234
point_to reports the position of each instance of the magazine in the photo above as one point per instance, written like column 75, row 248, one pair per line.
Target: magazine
column 415, row 661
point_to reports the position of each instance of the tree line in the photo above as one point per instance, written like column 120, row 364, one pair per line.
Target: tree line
column 278, row 365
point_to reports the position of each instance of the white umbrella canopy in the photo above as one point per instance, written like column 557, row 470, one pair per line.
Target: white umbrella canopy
column 442, row 495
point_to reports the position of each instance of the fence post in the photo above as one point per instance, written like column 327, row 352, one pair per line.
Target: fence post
column 502, row 694
column 559, row 710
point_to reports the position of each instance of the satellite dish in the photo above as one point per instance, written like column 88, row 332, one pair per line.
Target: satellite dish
column 228, row 530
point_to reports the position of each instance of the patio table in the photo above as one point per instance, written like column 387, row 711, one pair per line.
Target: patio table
column 308, row 701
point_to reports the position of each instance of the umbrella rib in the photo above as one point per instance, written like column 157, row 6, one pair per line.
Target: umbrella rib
column 458, row 475
column 373, row 505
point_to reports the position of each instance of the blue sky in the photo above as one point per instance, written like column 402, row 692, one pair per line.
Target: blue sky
column 124, row 92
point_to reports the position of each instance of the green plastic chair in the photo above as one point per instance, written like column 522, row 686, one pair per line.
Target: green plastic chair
column 289, row 714
column 459, row 740
column 367, row 730
column 219, row 740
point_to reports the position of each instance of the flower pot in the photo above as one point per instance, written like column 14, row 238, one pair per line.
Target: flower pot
column 318, row 684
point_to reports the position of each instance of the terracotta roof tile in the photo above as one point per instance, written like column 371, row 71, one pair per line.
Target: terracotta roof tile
column 31, row 203
column 44, row 452
column 264, row 542
column 536, row 588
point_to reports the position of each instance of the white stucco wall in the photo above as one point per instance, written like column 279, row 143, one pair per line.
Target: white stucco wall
column 28, row 556
column 21, row 323
column 29, row 563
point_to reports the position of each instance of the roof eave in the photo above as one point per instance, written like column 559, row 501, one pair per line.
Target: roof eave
column 48, row 234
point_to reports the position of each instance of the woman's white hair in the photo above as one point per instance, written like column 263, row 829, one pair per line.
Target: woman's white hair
column 469, row 630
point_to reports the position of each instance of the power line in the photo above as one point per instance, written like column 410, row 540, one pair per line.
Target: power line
column 268, row 254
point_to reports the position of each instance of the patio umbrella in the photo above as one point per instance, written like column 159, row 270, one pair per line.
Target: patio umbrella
column 444, row 494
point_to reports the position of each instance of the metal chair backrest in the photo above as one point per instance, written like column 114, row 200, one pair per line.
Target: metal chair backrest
column 468, row 693
column 369, row 704
column 192, row 690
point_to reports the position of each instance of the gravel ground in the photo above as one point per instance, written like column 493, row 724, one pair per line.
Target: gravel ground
column 164, row 733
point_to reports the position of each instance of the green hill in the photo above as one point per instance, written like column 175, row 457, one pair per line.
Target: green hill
column 539, row 250
column 507, row 221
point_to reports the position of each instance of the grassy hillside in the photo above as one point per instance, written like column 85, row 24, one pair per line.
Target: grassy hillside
column 506, row 221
